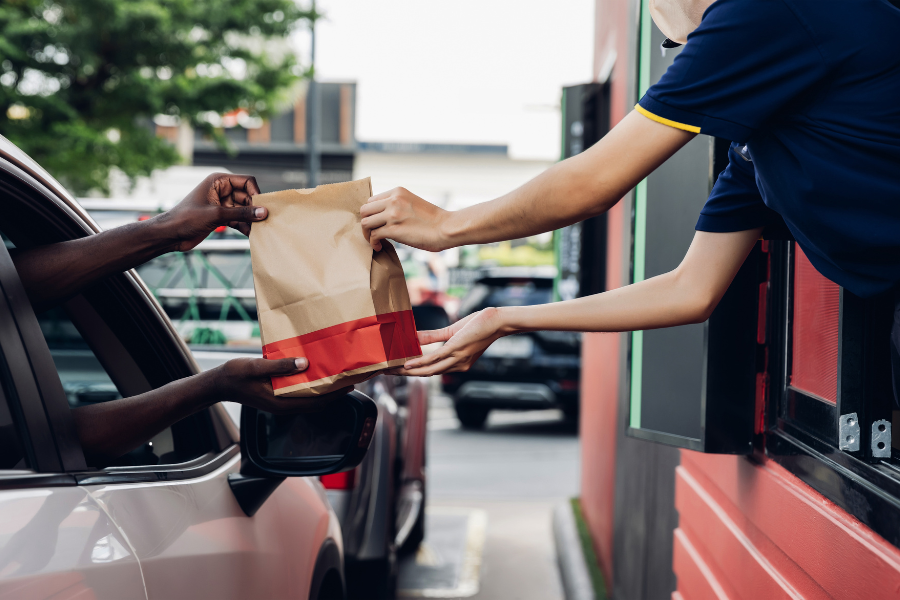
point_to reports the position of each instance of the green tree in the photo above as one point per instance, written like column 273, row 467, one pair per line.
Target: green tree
column 80, row 80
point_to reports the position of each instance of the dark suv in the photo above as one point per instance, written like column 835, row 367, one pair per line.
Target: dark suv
column 524, row 371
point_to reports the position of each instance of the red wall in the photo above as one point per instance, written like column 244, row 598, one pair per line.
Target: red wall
column 599, row 383
column 755, row 531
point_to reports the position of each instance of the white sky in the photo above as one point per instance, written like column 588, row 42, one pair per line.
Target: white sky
column 467, row 71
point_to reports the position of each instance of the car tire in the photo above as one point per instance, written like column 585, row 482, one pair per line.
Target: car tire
column 571, row 412
column 373, row 579
column 417, row 534
column 471, row 417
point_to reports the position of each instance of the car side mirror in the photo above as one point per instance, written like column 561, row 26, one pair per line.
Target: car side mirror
column 430, row 316
column 314, row 442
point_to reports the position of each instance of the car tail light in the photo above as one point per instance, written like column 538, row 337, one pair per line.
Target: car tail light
column 339, row 481
column 568, row 384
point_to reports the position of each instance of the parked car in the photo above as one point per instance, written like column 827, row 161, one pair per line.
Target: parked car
column 190, row 514
column 381, row 503
column 525, row 371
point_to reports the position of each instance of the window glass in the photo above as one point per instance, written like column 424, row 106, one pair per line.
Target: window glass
column 87, row 382
column 816, row 318
column 11, row 454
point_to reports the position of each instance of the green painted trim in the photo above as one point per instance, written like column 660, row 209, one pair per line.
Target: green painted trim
column 640, row 230
column 587, row 549
column 557, row 234
column 644, row 49
column 640, row 226
column 562, row 128
column 637, row 373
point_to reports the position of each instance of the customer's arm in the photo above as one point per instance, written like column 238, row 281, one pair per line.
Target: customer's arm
column 686, row 295
column 110, row 429
column 52, row 274
column 573, row 190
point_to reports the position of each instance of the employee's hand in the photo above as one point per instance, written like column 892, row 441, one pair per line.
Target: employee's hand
column 402, row 216
column 466, row 340
column 249, row 381
column 221, row 199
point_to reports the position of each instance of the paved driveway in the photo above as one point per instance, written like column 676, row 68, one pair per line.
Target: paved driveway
column 490, row 500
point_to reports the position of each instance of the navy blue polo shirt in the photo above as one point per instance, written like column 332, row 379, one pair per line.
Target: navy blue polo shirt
column 812, row 88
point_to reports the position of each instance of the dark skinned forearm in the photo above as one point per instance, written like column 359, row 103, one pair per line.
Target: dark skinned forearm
column 110, row 429
column 54, row 273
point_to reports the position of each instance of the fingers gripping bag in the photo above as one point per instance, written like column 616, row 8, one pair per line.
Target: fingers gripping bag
column 324, row 294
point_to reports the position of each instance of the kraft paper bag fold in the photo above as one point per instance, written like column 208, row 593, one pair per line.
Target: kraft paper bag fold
column 323, row 293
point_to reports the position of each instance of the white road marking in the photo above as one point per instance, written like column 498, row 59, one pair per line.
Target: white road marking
column 470, row 571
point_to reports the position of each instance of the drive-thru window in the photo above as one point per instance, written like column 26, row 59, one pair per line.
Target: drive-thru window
column 751, row 455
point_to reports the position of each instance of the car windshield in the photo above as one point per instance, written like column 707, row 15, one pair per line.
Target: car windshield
column 506, row 292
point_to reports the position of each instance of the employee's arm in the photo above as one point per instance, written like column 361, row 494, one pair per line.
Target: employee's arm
column 108, row 430
column 686, row 295
column 52, row 274
column 573, row 190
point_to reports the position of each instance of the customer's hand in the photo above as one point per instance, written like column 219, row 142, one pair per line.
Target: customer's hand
column 248, row 381
column 466, row 340
column 402, row 216
column 221, row 199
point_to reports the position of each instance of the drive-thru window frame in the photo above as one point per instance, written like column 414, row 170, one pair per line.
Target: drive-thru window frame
column 804, row 431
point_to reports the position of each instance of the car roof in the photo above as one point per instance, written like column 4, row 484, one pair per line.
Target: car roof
column 16, row 156
column 502, row 276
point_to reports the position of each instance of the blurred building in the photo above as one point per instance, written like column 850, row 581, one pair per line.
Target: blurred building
column 275, row 150
column 452, row 176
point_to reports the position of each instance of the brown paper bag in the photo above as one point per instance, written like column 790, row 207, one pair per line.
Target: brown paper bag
column 322, row 293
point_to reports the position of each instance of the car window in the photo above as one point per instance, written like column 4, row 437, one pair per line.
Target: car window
column 86, row 382
column 91, row 374
column 11, row 452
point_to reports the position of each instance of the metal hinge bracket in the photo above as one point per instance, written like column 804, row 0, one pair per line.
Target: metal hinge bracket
column 848, row 433
column 881, row 439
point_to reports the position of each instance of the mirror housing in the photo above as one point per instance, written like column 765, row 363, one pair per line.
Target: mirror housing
column 314, row 442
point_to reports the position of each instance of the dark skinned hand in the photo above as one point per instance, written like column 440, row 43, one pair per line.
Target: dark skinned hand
column 221, row 199
column 249, row 382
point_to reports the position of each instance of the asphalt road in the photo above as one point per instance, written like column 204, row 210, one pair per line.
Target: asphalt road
column 490, row 500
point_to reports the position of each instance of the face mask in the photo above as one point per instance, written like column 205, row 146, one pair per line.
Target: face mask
column 677, row 18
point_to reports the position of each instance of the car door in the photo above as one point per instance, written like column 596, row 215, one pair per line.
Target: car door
column 56, row 541
column 170, row 498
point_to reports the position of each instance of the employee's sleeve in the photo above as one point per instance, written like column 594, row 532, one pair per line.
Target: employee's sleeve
column 735, row 203
column 746, row 61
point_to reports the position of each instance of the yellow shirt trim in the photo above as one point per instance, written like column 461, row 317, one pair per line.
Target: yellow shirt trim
column 674, row 124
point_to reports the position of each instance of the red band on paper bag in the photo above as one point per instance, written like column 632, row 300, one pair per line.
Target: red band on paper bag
column 348, row 346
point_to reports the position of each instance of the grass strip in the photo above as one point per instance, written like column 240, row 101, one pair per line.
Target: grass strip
column 587, row 547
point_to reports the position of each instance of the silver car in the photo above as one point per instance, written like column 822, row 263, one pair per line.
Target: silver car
column 197, row 512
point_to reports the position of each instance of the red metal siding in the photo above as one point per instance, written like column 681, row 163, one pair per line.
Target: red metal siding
column 751, row 531
column 598, row 441
column 600, row 351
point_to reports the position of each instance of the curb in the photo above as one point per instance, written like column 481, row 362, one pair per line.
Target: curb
column 573, row 569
